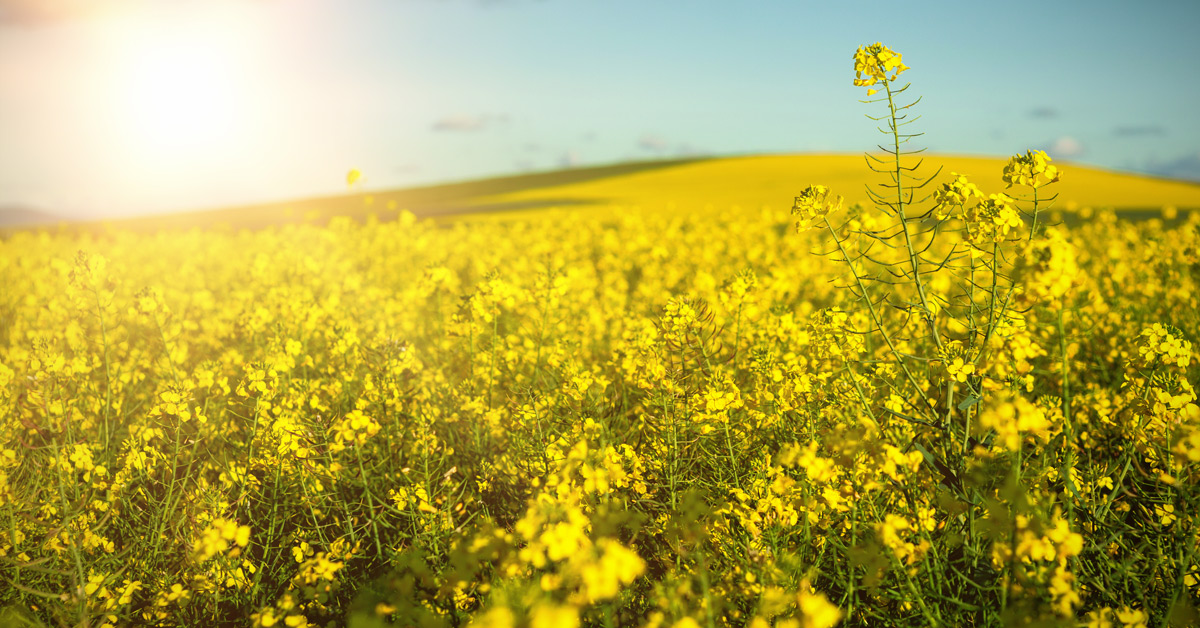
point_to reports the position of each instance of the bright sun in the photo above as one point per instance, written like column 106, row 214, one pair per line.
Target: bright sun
column 178, row 86
column 180, row 96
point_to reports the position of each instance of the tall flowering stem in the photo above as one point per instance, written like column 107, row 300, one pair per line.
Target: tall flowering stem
column 877, row 65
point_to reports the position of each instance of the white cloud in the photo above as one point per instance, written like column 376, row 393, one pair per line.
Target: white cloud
column 1065, row 147
column 652, row 143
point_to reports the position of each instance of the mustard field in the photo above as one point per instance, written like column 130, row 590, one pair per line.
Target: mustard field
column 812, row 413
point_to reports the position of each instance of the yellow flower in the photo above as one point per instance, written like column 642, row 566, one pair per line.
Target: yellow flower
column 991, row 220
column 218, row 536
column 1049, row 267
column 554, row 616
column 1164, row 344
column 959, row 370
column 1132, row 618
column 499, row 617
column 1032, row 169
column 874, row 62
column 955, row 193
column 817, row 610
column 813, row 204
column 618, row 565
column 1014, row 420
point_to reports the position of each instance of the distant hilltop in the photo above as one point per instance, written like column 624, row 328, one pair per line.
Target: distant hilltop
column 23, row 216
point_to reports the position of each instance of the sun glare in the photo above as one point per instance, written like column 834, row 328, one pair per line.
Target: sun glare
column 180, row 90
column 179, row 96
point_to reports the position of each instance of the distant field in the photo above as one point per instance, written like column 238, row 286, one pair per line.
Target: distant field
column 685, row 184
column 751, row 182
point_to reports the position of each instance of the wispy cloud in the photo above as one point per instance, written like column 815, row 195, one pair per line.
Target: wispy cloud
column 1043, row 113
column 1139, row 130
column 1183, row 167
column 651, row 142
column 569, row 159
column 466, row 122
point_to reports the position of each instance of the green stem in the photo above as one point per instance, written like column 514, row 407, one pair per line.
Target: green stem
column 875, row 318
column 80, row 575
column 1033, row 228
column 913, row 258
column 492, row 375
column 107, row 371
column 370, row 502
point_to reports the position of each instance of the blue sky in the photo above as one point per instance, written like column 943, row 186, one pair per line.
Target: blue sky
column 115, row 107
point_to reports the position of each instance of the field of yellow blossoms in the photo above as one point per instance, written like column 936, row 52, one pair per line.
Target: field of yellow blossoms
column 801, row 417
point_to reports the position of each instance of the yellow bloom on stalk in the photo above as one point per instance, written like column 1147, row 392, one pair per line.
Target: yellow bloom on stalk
column 498, row 617
column 960, row 369
column 955, row 194
column 353, row 176
column 1133, row 618
column 355, row 429
column 1032, row 169
column 554, row 616
column 816, row 610
column 1014, row 420
column 957, row 365
column 1163, row 344
column 991, row 220
column 218, row 537
column 813, row 204
column 617, row 566
column 1049, row 268
column 872, row 64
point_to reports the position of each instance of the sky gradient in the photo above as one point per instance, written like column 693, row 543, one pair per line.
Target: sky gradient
column 119, row 107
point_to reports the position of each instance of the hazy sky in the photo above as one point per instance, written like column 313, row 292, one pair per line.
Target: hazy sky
column 112, row 107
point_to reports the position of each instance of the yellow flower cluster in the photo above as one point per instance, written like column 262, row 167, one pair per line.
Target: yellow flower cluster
column 218, row 537
column 957, row 362
column 812, row 205
column 1032, row 169
column 1049, row 268
column 1036, row 543
column 1015, row 420
column 991, row 220
column 955, row 193
column 872, row 64
column 1159, row 344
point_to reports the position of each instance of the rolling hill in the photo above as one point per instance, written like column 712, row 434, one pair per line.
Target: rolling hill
column 713, row 184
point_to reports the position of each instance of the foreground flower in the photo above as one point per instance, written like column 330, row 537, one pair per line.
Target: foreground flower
column 990, row 221
column 874, row 62
column 812, row 205
column 1032, row 169
column 955, row 194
